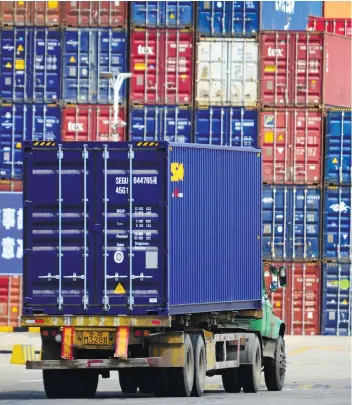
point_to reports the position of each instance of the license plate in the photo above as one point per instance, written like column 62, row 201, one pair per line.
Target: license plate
column 95, row 338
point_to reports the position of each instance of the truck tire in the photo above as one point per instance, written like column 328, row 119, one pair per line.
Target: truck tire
column 145, row 382
column 231, row 377
column 250, row 373
column 200, row 366
column 128, row 381
column 275, row 369
column 182, row 379
column 70, row 383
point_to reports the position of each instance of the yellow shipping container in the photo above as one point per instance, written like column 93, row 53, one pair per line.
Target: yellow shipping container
column 338, row 9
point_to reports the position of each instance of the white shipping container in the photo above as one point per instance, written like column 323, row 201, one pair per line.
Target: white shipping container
column 227, row 71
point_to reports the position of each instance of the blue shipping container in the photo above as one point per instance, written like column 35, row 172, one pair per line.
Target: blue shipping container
column 162, row 14
column 20, row 122
column 161, row 123
column 228, row 18
column 195, row 222
column 87, row 53
column 11, row 229
column 30, row 65
column 288, row 15
column 233, row 126
column 338, row 149
column 291, row 223
column 337, row 224
column 337, row 304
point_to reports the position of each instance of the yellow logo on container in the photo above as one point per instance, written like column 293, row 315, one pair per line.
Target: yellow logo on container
column 177, row 171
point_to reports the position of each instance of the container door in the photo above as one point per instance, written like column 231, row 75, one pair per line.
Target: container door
column 111, row 13
column 15, row 77
column 46, row 65
column 131, row 250
column 243, row 128
column 78, row 13
column 304, row 242
column 211, row 125
column 275, row 222
column 78, row 66
column 104, row 118
column 78, row 123
column 59, row 244
column 211, row 18
column 46, row 13
column 15, row 12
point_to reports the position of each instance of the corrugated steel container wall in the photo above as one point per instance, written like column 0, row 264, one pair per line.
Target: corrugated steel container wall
column 17, row 13
column 338, row 148
column 291, row 223
column 337, row 90
column 233, row 126
column 173, row 187
column 161, row 123
column 162, row 14
column 227, row 71
column 291, row 142
column 228, row 18
column 10, row 300
column 288, row 15
column 161, row 61
column 92, row 123
column 285, row 80
column 30, row 65
column 86, row 53
column 337, row 228
column 220, row 193
column 339, row 26
column 11, row 229
column 20, row 122
column 337, row 302
column 94, row 14
column 298, row 304
column 337, row 9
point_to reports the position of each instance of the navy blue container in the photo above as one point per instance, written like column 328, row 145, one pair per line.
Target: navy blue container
column 233, row 126
column 336, row 303
column 162, row 14
column 20, row 122
column 158, row 123
column 11, row 230
column 291, row 223
column 228, row 18
column 288, row 15
column 337, row 224
column 195, row 233
column 338, row 148
column 88, row 52
column 30, row 65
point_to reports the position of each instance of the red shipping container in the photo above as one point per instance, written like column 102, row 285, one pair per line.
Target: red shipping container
column 339, row 26
column 161, row 61
column 10, row 300
column 94, row 13
column 298, row 304
column 11, row 185
column 85, row 122
column 38, row 13
column 287, row 82
column 291, row 142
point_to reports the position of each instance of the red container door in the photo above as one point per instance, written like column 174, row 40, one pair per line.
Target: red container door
column 339, row 26
column 291, row 142
column 15, row 12
column 46, row 13
column 78, row 13
column 307, row 65
column 161, row 63
column 91, row 123
column 275, row 51
column 11, row 185
column 298, row 304
column 111, row 13
column 10, row 300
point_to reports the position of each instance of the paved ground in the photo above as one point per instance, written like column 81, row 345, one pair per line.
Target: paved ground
column 319, row 372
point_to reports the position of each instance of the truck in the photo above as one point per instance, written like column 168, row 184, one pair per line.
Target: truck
column 146, row 258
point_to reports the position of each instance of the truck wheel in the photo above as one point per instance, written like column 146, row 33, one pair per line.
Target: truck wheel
column 275, row 369
column 250, row 373
column 200, row 366
column 145, row 382
column 181, row 379
column 231, row 377
column 128, row 381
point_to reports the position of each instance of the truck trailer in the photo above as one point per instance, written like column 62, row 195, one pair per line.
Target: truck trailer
column 146, row 258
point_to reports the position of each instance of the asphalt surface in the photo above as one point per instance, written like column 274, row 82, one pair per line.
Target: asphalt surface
column 318, row 372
